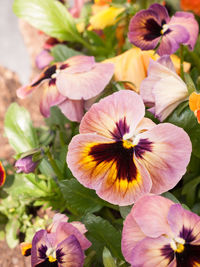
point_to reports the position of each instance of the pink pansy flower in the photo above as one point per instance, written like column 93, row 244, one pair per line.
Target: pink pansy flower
column 158, row 232
column 150, row 27
column 70, row 84
column 163, row 90
column 123, row 155
column 62, row 245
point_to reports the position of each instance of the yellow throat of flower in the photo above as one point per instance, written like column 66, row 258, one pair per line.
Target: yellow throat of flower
column 52, row 259
column 177, row 244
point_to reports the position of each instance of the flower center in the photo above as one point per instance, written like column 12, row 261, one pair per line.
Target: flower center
column 165, row 27
column 177, row 244
column 51, row 254
column 55, row 74
column 127, row 144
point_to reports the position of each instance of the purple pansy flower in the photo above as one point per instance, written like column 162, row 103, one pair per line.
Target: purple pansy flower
column 61, row 245
column 149, row 27
column 158, row 232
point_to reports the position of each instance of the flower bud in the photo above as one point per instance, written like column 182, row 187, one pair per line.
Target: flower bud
column 26, row 164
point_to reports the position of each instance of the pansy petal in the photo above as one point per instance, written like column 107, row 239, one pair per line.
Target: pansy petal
column 2, row 175
column 161, row 12
column 124, row 110
column 152, row 252
column 131, row 235
column 39, row 248
column 50, row 98
column 67, row 229
column 69, row 253
column 184, row 224
column 78, row 63
column 168, row 156
column 194, row 101
column 72, row 109
column 104, row 165
column 188, row 21
column 24, row 91
column 85, row 84
column 171, row 40
column 166, row 100
column 150, row 213
column 57, row 219
column 145, row 29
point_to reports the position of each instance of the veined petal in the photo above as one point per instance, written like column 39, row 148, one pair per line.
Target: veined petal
column 69, row 253
column 152, row 252
column 168, row 156
column 72, row 109
column 85, row 85
column 65, row 230
column 24, row 91
column 171, row 40
column 131, row 235
column 161, row 12
column 124, row 110
column 145, row 29
column 150, row 213
column 50, row 97
column 184, row 224
column 108, row 167
column 188, row 21
column 77, row 64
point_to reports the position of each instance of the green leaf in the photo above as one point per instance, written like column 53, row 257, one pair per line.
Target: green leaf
column 171, row 197
column 62, row 52
column 102, row 234
column 108, row 260
column 19, row 129
column 79, row 199
column 189, row 190
column 125, row 210
column 50, row 16
column 12, row 228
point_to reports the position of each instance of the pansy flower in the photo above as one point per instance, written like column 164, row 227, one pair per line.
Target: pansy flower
column 123, row 155
column 2, row 175
column 69, row 85
column 158, row 232
column 163, row 90
column 194, row 104
column 152, row 27
column 61, row 245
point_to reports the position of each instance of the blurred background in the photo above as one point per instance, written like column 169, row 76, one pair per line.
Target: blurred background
column 13, row 53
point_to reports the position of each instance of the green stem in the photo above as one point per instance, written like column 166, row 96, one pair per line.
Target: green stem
column 54, row 165
column 143, row 4
column 181, row 62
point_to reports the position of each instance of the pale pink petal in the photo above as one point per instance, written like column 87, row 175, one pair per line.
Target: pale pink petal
column 167, row 157
column 188, row 21
column 168, row 98
column 184, row 224
column 65, row 230
column 80, row 226
column 85, row 85
column 57, row 219
column 26, row 90
column 115, row 115
column 150, row 213
column 51, row 97
column 43, row 59
column 167, row 62
column 76, row 9
column 79, row 63
column 72, row 109
column 152, row 252
column 144, row 125
column 131, row 235
column 73, row 254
